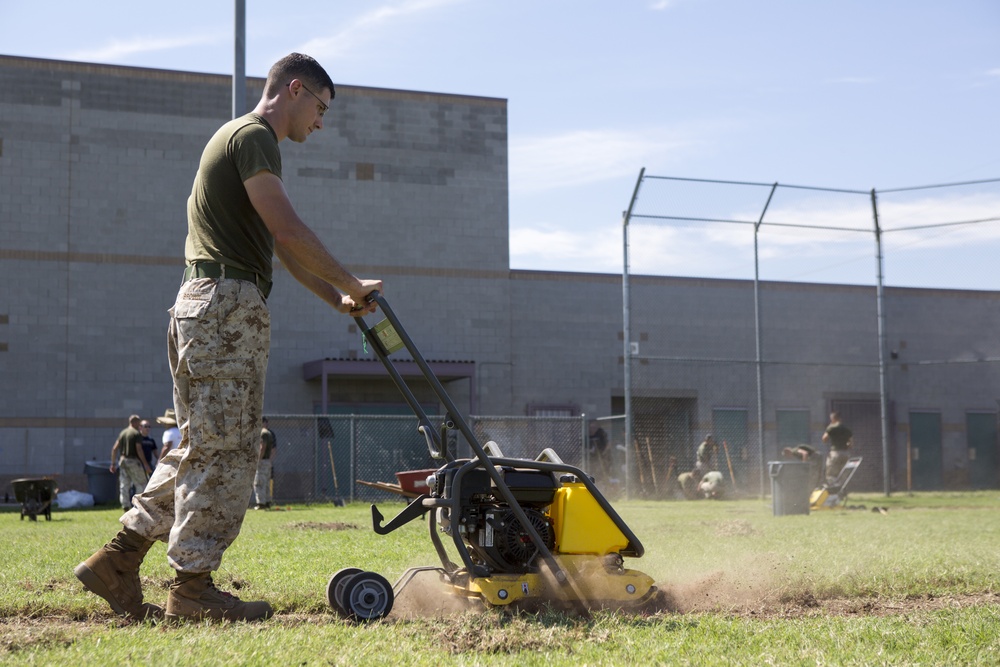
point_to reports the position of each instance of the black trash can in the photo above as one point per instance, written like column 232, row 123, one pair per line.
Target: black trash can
column 101, row 482
column 791, row 486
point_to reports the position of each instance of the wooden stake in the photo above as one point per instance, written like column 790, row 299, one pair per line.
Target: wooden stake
column 638, row 464
column 670, row 474
column 730, row 464
column 652, row 468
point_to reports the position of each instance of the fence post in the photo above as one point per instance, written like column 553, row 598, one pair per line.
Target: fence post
column 882, row 380
column 756, row 322
column 627, row 336
column 316, row 468
column 354, row 460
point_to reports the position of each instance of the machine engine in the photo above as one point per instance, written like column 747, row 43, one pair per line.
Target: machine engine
column 487, row 524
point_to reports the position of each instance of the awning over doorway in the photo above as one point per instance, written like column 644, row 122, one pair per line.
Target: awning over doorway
column 359, row 369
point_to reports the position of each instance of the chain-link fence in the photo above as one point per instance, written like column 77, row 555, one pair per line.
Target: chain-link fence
column 322, row 458
column 776, row 312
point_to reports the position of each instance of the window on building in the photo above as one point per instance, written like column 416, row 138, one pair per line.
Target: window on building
column 552, row 410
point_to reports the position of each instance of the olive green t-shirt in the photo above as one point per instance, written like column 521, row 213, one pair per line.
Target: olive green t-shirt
column 128, row 443
column 223, row 225
column 267, row 438
column 840, row 435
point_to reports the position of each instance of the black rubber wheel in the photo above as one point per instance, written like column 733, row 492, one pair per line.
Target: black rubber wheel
column 335, row 588
column 367, row 596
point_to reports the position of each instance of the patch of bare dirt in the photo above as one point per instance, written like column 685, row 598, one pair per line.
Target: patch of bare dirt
column 719, row 594
column 468, row 627
column 426, row 596
column 319, row 525
column 734, row 528
column 23, row 634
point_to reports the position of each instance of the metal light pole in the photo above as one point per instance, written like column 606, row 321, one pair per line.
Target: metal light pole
column 240, row 60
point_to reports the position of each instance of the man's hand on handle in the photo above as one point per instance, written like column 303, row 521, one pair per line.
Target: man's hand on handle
column 358, row 304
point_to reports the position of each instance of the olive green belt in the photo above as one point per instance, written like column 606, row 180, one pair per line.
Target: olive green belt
column 216, row 270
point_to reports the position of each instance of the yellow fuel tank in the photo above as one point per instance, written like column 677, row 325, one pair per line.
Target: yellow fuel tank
column 581, row 524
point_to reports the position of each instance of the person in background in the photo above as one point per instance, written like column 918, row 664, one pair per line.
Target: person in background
column 705, row 456
column 261, row 481
column 218, row 343
column 128, row 459
column 712, row 485
column 148, row 444
column 688, row 483
column 598, row 438
column 809, row 455
column 172, row 435
column 840, row 439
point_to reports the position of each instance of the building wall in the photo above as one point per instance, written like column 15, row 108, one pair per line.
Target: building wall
column 96, row 164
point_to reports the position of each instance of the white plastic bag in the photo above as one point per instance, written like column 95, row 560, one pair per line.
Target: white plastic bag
column 70, row 499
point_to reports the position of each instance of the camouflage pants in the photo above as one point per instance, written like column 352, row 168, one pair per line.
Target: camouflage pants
column 218, row 343
column 261, row 482
column 835, row 462
column 130, row 473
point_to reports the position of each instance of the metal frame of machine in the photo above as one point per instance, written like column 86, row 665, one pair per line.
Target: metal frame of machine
column 833, row 495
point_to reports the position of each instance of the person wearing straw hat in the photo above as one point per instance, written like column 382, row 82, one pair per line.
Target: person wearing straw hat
column 172, row 436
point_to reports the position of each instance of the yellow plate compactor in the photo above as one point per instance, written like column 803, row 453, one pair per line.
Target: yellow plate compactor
column 526, row 532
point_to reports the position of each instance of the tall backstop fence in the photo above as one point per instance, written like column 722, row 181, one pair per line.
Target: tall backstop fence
column 324, row 458
column 751, row 311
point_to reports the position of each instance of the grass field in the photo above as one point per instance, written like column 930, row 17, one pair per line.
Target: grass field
column 913, row 584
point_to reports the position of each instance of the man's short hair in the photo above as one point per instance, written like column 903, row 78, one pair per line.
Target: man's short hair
column 298, row 66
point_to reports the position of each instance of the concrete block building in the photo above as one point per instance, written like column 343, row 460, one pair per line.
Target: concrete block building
column 96, row 164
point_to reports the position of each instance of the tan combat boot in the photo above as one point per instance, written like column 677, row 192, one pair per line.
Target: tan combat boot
column 194, row 596
column 113, row 574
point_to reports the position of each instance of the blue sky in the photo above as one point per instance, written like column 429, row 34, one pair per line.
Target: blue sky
column 852, row 94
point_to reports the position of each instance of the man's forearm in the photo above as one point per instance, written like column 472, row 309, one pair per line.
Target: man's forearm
column 303, row 253
column 312, row 282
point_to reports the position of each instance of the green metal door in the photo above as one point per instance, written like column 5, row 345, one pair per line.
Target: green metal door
column 793, row 430
column 925, row 450
column 729, row 426
column 981, row 436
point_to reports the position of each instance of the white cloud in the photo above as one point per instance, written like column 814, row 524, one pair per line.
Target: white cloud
column 367, row 27
column 118, row 50
column 566, row 249
column 828, row 255
column 660, row 5
column 993, row 72
column 586, row 156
